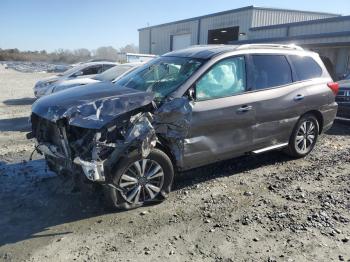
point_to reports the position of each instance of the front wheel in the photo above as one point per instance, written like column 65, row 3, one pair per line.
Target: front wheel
column 137, row 181
column 304, row 136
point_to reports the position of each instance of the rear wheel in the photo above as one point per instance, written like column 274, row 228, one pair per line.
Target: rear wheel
column 304, row 136
column 138, row 181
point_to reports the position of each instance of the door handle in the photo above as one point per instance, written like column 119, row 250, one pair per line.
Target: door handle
column 244, row 109
column 298, row 97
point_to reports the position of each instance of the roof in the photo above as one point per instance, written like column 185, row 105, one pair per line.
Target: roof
column 251, row 7
column 209, row 51
column 202, row 51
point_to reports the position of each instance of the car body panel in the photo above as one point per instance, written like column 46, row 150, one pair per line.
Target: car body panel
column 218, row 130
column 45, row 86
column 211, row 130
column 91, row 106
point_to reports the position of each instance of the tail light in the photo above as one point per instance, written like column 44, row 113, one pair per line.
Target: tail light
column 334, row 87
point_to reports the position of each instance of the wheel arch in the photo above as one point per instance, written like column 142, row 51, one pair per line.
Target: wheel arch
column 162, row 145
column 318, row 116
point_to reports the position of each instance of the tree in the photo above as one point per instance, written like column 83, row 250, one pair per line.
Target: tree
column 106, row 52
column 82, row 54
column 129, row 48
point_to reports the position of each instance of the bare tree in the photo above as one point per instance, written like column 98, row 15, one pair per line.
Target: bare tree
column 66, row 55
column 129, row 48
column 106, row 52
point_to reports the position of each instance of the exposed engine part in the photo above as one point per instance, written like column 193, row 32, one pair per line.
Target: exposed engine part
column 94, row 170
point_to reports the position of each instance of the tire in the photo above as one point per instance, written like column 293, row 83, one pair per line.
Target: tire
column 119, row 194
column 296, row 147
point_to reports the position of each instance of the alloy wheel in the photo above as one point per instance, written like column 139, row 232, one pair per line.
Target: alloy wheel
column 306, row 136
column 142, row 181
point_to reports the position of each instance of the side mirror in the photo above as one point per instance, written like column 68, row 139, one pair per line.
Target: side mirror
column 191, row 93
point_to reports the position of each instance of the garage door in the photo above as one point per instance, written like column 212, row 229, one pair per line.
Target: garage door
column 181, row 41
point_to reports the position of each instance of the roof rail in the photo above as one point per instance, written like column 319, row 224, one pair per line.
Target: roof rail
column 291, row 46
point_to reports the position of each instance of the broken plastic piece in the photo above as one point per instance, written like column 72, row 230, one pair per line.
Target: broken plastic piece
column 93, row 170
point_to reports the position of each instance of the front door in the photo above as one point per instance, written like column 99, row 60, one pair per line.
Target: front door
column 223, row 117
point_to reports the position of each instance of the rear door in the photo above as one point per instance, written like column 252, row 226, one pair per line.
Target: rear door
column 278, row 102
column 223, row 117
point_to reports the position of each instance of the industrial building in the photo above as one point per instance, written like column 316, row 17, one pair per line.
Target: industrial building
column 326, row 33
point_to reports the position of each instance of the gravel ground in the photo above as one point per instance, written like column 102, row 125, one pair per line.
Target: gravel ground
column 255, row 208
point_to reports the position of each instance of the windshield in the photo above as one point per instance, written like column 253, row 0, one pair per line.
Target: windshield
column 347, row 77
column 70, row 71
column 113, row 73
column 161, row 76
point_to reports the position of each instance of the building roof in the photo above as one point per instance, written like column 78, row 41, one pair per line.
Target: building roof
column 251, row 7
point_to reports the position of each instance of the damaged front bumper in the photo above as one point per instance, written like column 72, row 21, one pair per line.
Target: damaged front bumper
column 93, row 170
column 96, row 152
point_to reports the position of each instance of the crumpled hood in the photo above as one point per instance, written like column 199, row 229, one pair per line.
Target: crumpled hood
column 91, row 106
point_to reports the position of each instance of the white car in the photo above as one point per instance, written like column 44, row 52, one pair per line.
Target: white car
column 81, row 71
column 109, row 75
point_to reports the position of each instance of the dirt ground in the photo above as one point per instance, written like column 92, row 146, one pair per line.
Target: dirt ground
column 254, row 208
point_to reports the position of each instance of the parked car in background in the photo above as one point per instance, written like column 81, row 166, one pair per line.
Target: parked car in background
column 108, row 75
column 185, row 109
column 82, row 70
column 343, row 98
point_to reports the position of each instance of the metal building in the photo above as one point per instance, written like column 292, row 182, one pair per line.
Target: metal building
column 326, row 33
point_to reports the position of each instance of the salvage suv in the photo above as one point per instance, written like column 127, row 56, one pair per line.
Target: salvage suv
column 183, row 110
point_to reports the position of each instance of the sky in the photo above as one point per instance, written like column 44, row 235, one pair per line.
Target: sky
column 72, row 24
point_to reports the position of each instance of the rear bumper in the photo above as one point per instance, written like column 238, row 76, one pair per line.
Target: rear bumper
column 329, row 113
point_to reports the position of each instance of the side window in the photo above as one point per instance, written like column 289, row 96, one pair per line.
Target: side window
column 226, row 78
column 305, row 67
column 105, row 67
column 270, row 71
column 92, row 70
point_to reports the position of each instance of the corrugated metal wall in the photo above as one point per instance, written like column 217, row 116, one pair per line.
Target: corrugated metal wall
column 302, row 29
column 264, row 16
column 144, row 41
column 245, row 19
column 319, row 28
column 242, row 19
column 268, row 33
column 161, row 35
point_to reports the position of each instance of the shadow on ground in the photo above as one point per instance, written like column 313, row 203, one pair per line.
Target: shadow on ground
column 15, row 124
column 20, row 102
column 33, row 200
column 340, row 128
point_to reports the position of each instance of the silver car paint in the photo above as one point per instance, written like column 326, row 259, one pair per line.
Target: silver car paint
column 40, row 90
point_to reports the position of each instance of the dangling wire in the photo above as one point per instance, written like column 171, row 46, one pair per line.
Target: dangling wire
column 31, row 155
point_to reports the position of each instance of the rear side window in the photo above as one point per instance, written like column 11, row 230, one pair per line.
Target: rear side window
column 305, row 67
column 92, row 70
column 106, row 67
column 270, row 71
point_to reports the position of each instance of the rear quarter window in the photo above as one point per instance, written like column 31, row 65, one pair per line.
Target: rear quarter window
column 270, row 71
column 305, row 67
